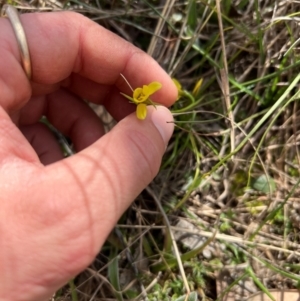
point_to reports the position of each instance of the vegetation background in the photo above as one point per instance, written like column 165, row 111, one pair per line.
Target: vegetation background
column 221, row 220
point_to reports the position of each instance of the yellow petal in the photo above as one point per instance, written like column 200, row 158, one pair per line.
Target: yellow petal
column 153, row 87
column 179, row 87
column 142, row 94
column 138, row 95
column 197, row 87
column 146, row 90
column 177, row 84
column 141, row 111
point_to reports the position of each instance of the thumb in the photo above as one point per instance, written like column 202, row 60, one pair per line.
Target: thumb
column 107, row 176
column 68, row 208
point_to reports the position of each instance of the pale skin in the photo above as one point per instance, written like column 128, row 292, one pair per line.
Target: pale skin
column 56, row 213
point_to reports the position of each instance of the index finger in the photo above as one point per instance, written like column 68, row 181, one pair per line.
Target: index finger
column 64, row 43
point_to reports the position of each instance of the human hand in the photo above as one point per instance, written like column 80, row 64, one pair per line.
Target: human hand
column 55, row 218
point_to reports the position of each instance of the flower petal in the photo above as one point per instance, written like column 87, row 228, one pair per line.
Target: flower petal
column 153, row 87
column 146, row 90
column 138, row 95
column 177, row 84
column 179, row 88
column 141, row 111
column 197, row 87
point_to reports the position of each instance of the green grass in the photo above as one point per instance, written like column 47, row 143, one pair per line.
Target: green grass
column 231, row 169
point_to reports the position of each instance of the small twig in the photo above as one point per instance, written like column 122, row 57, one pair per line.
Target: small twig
column 176, row 251
column 224, row 78
column 166, row 11
column 127, row 82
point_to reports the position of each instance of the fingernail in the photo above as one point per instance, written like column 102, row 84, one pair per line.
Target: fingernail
column 163, row 121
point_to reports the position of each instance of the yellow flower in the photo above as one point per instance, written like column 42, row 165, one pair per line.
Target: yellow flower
column 177, row 84
column 179, row 87
column 141, row 98
column 141, row 111
column 197, row 87
column 142, row 94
